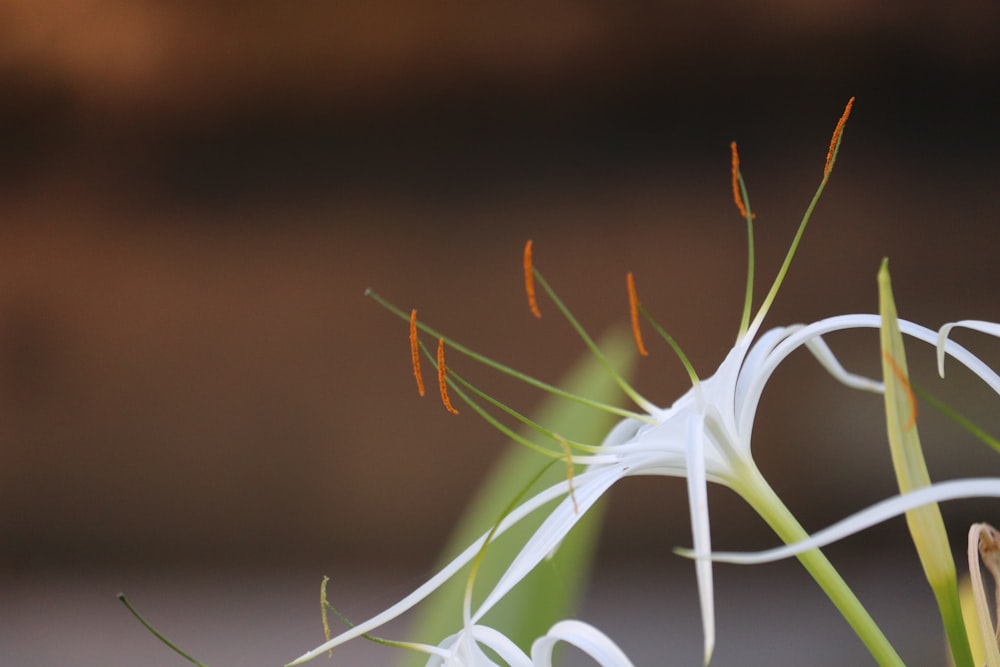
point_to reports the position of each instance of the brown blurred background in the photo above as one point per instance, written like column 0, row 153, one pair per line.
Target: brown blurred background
column 198, row 405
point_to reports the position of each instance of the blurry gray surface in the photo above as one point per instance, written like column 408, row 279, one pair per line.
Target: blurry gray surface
column 766, row 616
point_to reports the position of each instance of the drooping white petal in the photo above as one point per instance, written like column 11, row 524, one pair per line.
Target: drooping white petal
column 980, row 487
column 585, row 637
column 991, row 328
column 822, row 352
column 697, row 486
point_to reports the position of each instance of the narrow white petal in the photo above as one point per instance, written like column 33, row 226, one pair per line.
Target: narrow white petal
column 437, row 580
column 842, row 322
column 983, row 487
column 829, row 361
column 587, row 489
column 755, row 358
column 991, row 328
column 585, row 637
column 502, row 645
column 697, row 487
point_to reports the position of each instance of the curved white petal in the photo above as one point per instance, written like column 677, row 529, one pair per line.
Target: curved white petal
column 991, row 328
column 757, row 355
column 501, row 645
column 587, row 490
column 432, row 584
column 984, row 487
column 585, row 637
column 824, row 355
column 841, row 322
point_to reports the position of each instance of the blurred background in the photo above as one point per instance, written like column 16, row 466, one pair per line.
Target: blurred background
column 199, row 407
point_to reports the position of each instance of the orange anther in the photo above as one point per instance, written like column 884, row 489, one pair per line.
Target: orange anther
column 901, row 376
column 835, row 140
column 633, row 309
column 529, row 280
column 443, row 379
column 415, row 352
column 737, row 196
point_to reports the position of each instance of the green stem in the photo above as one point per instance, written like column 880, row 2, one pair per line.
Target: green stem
column 759, row 494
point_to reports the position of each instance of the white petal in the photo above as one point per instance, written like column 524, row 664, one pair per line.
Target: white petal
column 697, row 487
column 983, row 487
column 842, row 322
column 587, row 489
column 760, row 351
column 502, row 645
column 585, row 637
column 437, row 580
column 991, row 328
column 829, row 361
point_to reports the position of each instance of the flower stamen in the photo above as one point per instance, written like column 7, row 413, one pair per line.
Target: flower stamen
column 633, row 309
column 831, row 153
column 737, row 195
column 323, row 606
column 529, row 281
column 415, row 352
column 443, row 378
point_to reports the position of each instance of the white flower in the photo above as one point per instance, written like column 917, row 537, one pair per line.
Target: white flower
column 703, row 436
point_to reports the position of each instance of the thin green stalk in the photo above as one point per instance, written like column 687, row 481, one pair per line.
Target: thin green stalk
column 173, row 647
column 759, row 494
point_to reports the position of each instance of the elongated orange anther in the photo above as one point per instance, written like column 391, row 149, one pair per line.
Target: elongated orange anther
column 837, row 131
column 633, row 309
column 901, row 376
column 415, row 352
column 443, row 379
column 737, row 196
column 529, row 280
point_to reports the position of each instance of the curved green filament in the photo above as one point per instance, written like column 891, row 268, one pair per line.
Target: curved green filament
column 828, row 169
column 156, row 633
column 594, row 349
column 748, row 299
column 506, row 370
column 673, row 345
column 452, row 376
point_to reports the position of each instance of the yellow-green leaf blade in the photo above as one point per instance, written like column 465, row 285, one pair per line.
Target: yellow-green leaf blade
column 925, row 523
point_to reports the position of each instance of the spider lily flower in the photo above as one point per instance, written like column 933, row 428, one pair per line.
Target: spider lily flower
column 703, row 436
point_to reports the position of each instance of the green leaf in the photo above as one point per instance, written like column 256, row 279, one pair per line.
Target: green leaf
column 925, row 523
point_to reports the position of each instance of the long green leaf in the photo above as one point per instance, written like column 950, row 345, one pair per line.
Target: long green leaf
column 925, row 523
